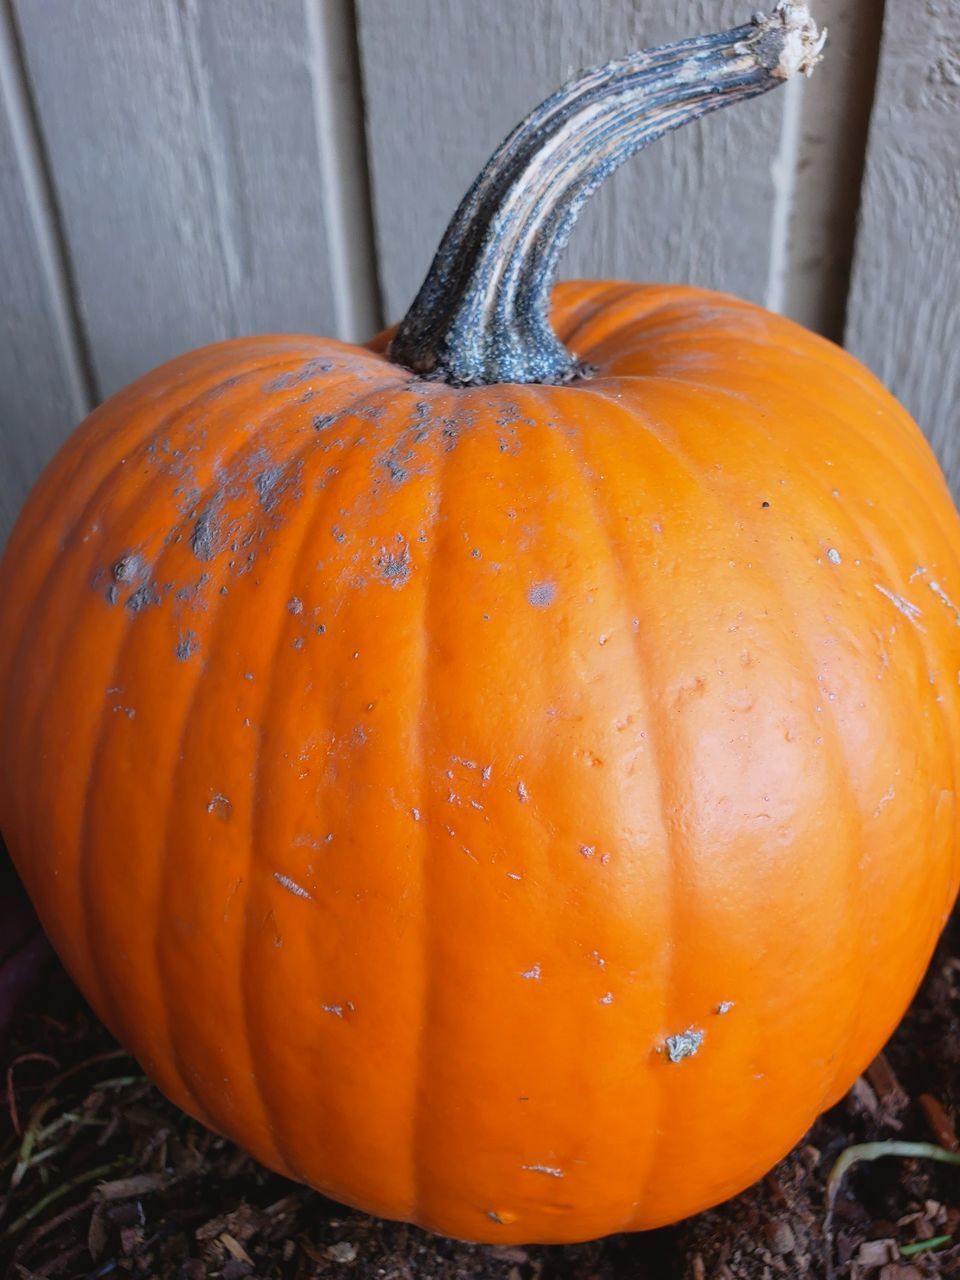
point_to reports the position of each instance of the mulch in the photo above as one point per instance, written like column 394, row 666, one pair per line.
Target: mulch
column 101, row 1177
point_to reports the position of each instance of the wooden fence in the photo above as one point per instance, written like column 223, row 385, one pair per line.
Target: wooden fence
column 173, row 172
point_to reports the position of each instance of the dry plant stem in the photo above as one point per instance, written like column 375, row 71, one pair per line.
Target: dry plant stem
column 64, row 1188
column 481, row 315
column 873, row 1151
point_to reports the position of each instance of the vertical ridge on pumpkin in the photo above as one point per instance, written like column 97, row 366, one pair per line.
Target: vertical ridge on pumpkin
column 276, row 449
column 642, row 419
column 666, row 766
column 83, row 457
column 747, row 420
column 104, row 919
column 139, row 444
column 250, row 960
column 301, row 568
column 663, row 767
column 419, row 1173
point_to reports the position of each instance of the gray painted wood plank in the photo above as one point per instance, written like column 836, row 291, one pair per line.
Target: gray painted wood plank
column 445, row 82
column 185, row 141
column 904, row 318
column 42, row 386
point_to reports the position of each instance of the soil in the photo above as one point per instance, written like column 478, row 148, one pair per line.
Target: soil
column 100, row 1177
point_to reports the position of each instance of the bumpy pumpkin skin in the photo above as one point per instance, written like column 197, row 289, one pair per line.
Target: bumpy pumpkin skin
column 396, row 766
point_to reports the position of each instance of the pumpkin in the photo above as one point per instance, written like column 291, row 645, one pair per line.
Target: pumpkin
column 503, row 776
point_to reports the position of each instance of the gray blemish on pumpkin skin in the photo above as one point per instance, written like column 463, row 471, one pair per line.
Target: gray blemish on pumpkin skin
column 187, row 646
column 397, row 472
column 542, row 594
column 220, row 805
column 684, row 1045
column 222, row 387
column 205, row 541
column 128, row 569
column 551, row 1171
column 192, row 592
column 394, row 567
column 909, row 610
column 267, row 485
column 295, row 605
column 522, row 792
column 295, row 377
column 532, row 974
column 142, row 598
column 297, row 890
column 724, row 1006
column 942, row 596
column 833, row 555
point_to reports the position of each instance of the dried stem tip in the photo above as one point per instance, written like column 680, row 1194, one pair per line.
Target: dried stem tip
column 794, row 42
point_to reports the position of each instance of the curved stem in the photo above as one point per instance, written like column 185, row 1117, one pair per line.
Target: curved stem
column 481, row 315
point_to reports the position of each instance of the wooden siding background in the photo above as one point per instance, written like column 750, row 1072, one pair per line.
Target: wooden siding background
column 173, row 172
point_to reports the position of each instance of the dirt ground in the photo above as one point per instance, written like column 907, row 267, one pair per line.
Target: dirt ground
column 100, row 1177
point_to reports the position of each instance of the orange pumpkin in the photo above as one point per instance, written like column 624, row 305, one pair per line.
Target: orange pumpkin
column 518, row 806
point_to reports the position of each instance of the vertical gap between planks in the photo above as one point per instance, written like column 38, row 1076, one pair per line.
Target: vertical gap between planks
column 877, row 14
column 818, row 170
column 16, row 99
column 784, row 191
column 338, row 103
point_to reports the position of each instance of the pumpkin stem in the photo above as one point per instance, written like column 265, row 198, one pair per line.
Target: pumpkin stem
column 482, row 314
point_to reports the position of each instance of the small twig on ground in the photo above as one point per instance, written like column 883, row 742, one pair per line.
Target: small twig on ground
column 72, row 1184
column 941, row 1126
column 892, row 1096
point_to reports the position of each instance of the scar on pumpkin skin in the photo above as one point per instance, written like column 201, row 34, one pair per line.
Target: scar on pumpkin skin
column 942, row 596
column 542, row 594
column 549, row 1170
column 187, row 646
column 296, row 889
column 128, row 569
column 395, row 568
column 909, row 610
column 684, row 1045
column 220, row 805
